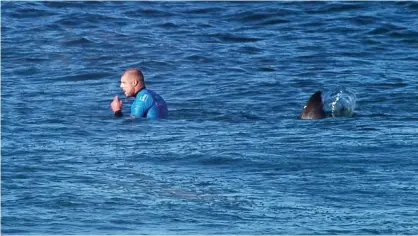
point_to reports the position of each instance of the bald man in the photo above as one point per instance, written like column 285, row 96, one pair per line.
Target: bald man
column 147, row 104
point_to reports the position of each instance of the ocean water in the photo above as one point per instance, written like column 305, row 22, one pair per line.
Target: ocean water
column 232, row 158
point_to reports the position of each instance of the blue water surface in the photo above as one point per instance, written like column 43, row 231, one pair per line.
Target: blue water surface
column 232, row 158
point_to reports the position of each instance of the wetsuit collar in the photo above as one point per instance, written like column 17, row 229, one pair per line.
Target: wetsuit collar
column 139, row 91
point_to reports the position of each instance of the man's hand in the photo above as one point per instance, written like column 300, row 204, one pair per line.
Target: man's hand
column 116, row 104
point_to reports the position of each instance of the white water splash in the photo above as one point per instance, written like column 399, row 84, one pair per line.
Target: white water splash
column 341, row 102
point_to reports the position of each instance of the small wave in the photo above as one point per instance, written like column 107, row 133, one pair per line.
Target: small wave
column 99, row 18
column 334, row 7
column 393, row 84
column 168, row 25
column 275, row 22
column 147, row 64
column 204, row 25
column 374, row 115
column 203, row 10
column 76, row 42
column 309, row 56
column 193, row 113
column 83, row 77
column 88, row 20
column 264, row 16
column 413, row 41
column 313, row 24
column 227, row 37
column 384, row 29
column 363, row 20
column 30, row 10
column 219, row 161
column 251, row 16
column 68, row 5
column 411, row 5
column 380, row 30
column 68, row 21
column 148, row 13
column 409, row 58
column 250, row 50
column 344, row 30
column 266, row 69
column 405, row 34
column 236, row 69
column 38, row 59
column 199, row 58
column 370, row 41
column 199, row 114
column 26, row 71
column 236, row 117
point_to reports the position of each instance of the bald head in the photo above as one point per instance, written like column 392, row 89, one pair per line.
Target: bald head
column 132, row 81
column 135, row 74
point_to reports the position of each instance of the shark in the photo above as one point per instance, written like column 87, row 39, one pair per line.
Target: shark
column 314, row 108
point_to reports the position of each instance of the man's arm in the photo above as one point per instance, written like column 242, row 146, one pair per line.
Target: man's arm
column 116, row 106
column 118, row 113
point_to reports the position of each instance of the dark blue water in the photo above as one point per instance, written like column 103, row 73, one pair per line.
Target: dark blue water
column 232, row 158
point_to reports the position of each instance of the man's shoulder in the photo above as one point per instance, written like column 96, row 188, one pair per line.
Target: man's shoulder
column 144, row 95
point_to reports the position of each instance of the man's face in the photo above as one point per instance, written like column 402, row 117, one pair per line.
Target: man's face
column 127, row 84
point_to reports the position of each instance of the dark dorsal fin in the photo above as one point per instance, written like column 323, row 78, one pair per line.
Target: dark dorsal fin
column 313, row 109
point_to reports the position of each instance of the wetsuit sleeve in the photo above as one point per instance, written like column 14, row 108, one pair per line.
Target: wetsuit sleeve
column 118, row 113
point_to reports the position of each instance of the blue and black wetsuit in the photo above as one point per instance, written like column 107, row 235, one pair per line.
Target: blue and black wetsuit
column 149, row 104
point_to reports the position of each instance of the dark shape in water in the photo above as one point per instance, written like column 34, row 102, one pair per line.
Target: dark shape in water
column 313, row 109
